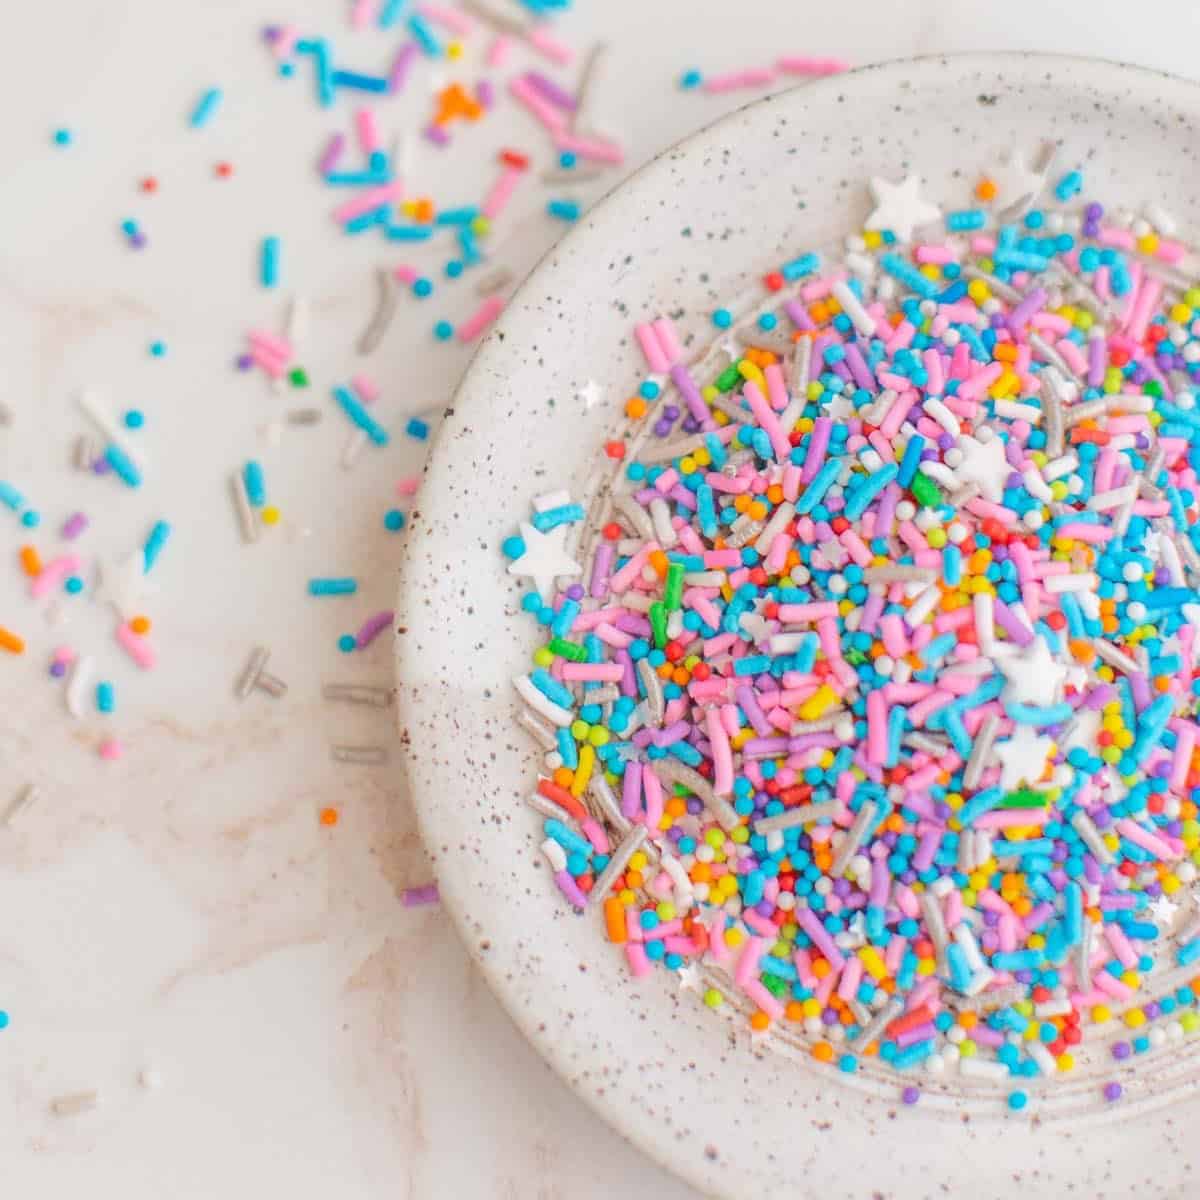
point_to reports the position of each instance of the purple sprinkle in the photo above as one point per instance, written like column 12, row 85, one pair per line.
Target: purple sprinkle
column 1121, row 1051
column 137, row 240
column 74, row 525
column 574, row 592
column 437, row 135
column 243, row 362
column 910, row 1095
column 271, row 33
column 101, row 467
column 1094, row 211
column 415, row 897
column 372, row 627
column 485, row 93
column 58, row 669
column 1112, row 1091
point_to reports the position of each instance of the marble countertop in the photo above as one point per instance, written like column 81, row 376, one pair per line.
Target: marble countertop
column 258, row 1012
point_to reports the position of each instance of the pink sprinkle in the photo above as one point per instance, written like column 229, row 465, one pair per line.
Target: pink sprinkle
column 366, row 201
column 365, row 389
column 362, row 12
column 812, row 66
column 277, row 346
column 111, row 749
column 416, row 897
column 64, row 654
column 447, row 18
column 406, row 275
column 541, row 39
column 372, row 627
column 498, row 51
column 52, row 574
column 542, row 109
column 368, row 131
column 484, row 315
column 595, row 149
column 137, row 647
column 501, row 192
column 754, row 77
column 286, row 41
column 408, row 486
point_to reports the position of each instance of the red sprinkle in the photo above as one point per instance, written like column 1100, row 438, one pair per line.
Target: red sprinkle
column 514, row 158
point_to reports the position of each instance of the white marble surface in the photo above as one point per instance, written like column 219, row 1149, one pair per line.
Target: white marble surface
column 181, row 911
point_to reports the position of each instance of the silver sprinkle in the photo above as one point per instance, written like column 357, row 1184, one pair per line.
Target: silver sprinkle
column 304, row 416
column 247, row 521
column 357, row 693
column 360, row 755
column 75, row 1103
column 248, row 679
column 385, row 310
column 25, row 798
column 629, row 846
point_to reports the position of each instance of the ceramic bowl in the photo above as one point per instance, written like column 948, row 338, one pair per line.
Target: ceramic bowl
column 733, row 1114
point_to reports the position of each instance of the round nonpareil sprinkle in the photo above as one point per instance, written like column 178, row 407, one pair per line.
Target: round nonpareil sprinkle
column 869, row 684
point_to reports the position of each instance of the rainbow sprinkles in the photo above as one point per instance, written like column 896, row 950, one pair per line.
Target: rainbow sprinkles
column 868, row 697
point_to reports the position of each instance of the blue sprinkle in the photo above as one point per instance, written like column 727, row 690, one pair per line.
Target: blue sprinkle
column 393, row 521
column 416, row 428
column 347, row 643
column 565, row 210
column 204, row 110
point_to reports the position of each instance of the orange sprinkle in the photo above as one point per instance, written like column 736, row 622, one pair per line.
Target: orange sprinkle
column 614, row 920
column 986, row 189
column 760, row 1021
column 635, row 408
column 823, row 1052
column 329, row 816
column 794, row 1010
column 10, row 642
column 140, row 625
column 30, row 562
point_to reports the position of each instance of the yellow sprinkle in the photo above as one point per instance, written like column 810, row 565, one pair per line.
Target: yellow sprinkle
column 270, row 515
column 823, row 699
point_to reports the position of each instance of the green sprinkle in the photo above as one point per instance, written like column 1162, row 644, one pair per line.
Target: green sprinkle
column 298, row 377
column 1024, row 798
column 658, row 622
column 925, row 492
column 729, row 378
column 673, row 592
column 565, row 649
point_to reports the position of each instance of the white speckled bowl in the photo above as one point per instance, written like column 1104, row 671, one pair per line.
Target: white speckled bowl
column 694, row 227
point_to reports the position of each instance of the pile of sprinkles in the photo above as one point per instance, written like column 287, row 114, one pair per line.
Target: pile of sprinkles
column 868, row 683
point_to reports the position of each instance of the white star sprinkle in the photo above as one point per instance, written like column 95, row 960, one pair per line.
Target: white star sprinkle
column 899, row 207
column 1015, row 180
column 590, row 395
column 544, row 559
column 124, row 585
column 1023, row 757
column 1163, row 910
column 1034, row 675
column 984, row 463
column 689, row 978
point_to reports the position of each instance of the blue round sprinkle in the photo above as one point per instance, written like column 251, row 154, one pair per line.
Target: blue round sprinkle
column 3, row 1019
column 1017, row 1101
column 287, row 70
column 567, row 159
column 513, row 546
column 768, row 321
column 422, row 288
column 134, row 419
column 346, row 643
column 722, row 318
column 158, row 349
column 453, row 269
column 62, row 137
column 393, row 520
column 74, row 585
column 129, row 227
column 443, row 330
column 690, row 79
column 31, row 519
column 649, row 390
